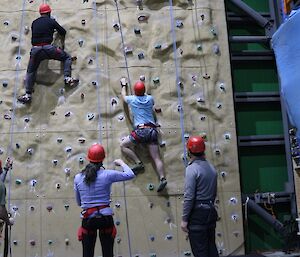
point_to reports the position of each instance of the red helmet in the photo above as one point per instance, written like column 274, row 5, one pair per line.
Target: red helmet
column 196, row 144
column 139, row 88
column 44, row 8
column 96, row 153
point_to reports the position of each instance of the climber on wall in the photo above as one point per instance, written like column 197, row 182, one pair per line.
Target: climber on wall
column 145, row 130
column 42, row 36
column 92, row 190
column 199, row 213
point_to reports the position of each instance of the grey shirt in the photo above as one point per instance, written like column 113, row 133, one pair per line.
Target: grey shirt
column 200, row 184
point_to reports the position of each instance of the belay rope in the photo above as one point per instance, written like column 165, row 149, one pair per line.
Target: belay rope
column 7, row 243
column 129, row 85
column 179, row 97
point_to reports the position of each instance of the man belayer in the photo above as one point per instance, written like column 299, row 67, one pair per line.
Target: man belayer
column 199, row 214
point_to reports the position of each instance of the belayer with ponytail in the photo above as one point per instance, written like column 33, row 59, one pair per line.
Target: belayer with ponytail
column 92, row 188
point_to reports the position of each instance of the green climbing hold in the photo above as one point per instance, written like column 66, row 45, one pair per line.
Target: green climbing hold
column 150, row 187
column 18, row 181
column 156, row 80
column 199, row 47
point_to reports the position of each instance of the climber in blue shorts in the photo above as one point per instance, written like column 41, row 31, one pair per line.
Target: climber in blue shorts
column 145, row 130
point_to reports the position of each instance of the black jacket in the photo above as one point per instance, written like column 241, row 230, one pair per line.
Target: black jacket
column 43, row 29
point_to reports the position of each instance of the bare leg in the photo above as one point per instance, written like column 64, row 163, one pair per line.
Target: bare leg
column 154, row 153
column 127, row 148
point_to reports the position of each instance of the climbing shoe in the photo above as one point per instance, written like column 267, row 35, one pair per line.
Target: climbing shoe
column 71, row 82
column 138, row 168
column 24, row 99
column 162, row 184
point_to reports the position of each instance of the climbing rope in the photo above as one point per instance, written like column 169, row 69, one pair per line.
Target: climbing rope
column 179, row 97
column 129, row 83
column 123, row 45
column 97, row 73
column 203, row 61
column 12, row 124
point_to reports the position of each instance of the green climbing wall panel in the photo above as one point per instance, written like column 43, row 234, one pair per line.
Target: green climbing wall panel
column 262, row 168
column 255, row 77
column 259, row 119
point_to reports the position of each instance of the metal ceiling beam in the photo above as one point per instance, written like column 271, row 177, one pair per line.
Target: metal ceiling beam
column 256, row 16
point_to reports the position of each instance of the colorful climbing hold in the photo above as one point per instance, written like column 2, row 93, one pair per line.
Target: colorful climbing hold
column 18, row 181
column 32, row 242
column 199, row 47
column 179, row 24
column 150, row 186
column 156, row 80
column 137, row 31
column 68, row 149
column 116, row 26
column 90, row 116
column 49, row 208
column 141, row 56
column 143, row 17
column 81, row 140
column 128, row 50
column 80, row 42
column 4, row 83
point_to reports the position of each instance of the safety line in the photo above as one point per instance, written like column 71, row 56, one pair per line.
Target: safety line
column 97, row 73
column 11, row 130
column 206, row 83
column 129, row 83
column 180, row 103
column 123, row 45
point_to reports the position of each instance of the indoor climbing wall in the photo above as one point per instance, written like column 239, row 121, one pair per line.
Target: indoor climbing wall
column 180, row 50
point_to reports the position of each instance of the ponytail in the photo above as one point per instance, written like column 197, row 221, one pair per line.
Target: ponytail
column 90, row 172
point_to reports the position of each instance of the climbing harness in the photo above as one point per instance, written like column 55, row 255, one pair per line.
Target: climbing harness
column 180, row 102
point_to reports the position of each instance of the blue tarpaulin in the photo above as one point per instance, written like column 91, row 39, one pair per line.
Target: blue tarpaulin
column 286, row 45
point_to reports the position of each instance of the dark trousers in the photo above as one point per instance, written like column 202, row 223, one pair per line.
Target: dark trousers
column 47, row 52
column 202, row 224
column 105, row 226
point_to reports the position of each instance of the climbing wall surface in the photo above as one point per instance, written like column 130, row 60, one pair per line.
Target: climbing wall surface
column 48, row 139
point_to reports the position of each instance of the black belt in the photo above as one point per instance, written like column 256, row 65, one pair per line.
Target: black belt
column 204, row 202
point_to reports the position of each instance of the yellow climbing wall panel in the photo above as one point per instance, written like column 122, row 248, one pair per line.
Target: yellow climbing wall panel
column 45, row 138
